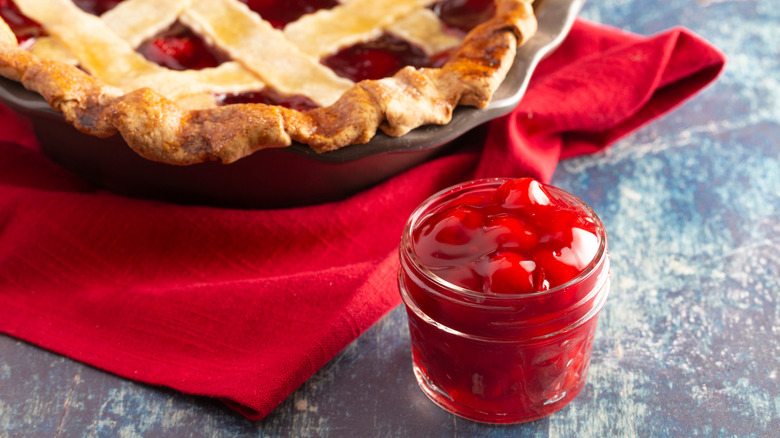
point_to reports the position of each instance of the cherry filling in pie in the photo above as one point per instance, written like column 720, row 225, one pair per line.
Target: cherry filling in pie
column 216, row 78
column 179, row 48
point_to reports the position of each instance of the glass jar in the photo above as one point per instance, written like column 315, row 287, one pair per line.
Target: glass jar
column 500, row 357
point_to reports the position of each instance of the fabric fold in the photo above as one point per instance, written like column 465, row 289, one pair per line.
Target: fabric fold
column 593, row 99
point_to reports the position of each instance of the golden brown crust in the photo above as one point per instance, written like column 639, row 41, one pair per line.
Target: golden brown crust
column 160, row 130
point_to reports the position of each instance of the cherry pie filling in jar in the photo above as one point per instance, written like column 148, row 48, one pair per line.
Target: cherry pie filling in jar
column 503, row 280
column 179, row 48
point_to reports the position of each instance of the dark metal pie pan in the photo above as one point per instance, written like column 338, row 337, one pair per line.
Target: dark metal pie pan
column 291, row 176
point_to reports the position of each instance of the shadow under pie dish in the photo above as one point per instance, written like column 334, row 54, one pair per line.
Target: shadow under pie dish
column 351, row 129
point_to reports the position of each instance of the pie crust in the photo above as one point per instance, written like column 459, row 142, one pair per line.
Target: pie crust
column 170, row 116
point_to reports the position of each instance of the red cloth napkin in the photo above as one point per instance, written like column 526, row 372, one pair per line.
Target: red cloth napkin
column 246, row 305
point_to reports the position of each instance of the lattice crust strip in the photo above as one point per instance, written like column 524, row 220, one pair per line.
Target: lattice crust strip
column 264, row 50
column 325, row 31
column 424, row 29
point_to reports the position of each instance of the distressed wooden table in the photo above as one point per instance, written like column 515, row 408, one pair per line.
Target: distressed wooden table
column 687, row 345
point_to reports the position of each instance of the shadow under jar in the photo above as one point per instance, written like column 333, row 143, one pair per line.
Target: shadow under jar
column 503, row 281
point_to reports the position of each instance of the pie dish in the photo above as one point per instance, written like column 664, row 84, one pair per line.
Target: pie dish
column 98, row 72
column 289, row 176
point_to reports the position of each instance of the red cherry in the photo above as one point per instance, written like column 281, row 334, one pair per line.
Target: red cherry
column 509, row 273
column 584, row 247
column 457, row 226
column 281, row 12
column 463, row 276
column 464, row 14
column 376, row 59
column 509, row 232
column 522, row 193
column 554, row 267
column 471, row 199
column 180, row 49
column 376, row 64
column 96, row 7
column 555, row 226
column 363, row 62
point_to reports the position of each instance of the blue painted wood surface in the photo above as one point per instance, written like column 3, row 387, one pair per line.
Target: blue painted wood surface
column 687, row 345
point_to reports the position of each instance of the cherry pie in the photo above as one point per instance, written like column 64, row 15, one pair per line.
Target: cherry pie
column 187, row 81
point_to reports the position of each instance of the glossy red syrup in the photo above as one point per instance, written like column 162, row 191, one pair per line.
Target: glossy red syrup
column 268, row 96
column 96, row 7
column 279, row 13
column 503, row 281
column 377, row 59
column 464, row 15
column 179, row 48
column 518, row 239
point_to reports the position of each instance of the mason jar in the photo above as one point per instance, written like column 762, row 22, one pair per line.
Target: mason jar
column 506, row 357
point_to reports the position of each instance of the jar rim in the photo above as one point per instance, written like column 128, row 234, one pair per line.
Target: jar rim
column 417, row 214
